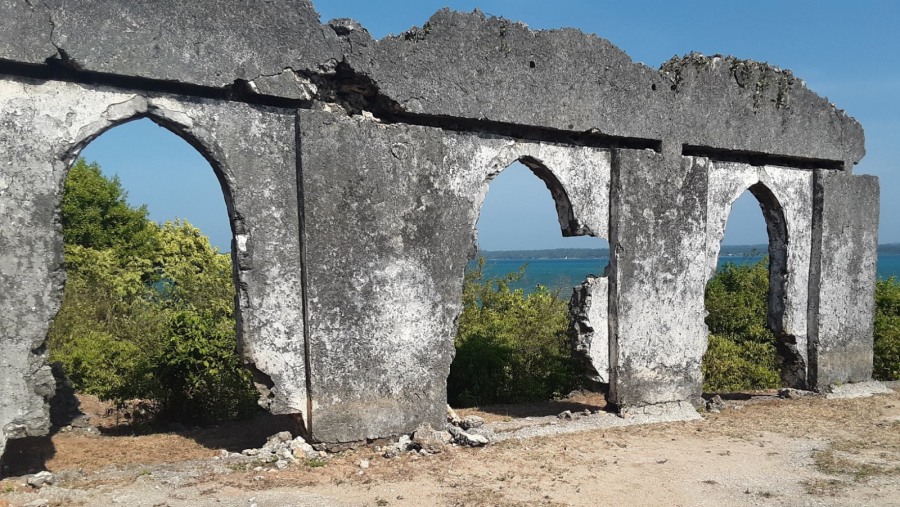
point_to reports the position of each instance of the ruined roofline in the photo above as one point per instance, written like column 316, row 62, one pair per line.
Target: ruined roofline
column 493, row 72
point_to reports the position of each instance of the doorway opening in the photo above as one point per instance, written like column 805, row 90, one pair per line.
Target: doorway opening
column 745, row 302
column 147, row 321
column 514, row 351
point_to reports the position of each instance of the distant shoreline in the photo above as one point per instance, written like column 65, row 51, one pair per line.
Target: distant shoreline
column 603, row 253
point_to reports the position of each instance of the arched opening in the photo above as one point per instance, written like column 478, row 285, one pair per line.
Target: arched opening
column 148, row 318
column 514, row 341
column 748, row 347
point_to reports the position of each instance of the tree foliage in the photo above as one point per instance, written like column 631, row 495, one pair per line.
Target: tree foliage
column 741, row 350
column 510, row 347
column 887, row 330
column 96, row 215
column 737, row 302
column 147, row 310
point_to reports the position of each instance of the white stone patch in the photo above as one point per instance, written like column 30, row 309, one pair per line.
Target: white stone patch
column 857, row 390
column 405, row 310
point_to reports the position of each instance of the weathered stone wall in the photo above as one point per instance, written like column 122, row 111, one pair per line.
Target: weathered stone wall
column 45, row 126
column 383, row 288
column 354, row 171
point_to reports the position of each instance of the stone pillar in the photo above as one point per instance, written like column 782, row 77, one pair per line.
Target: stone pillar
column 657, row 278
column 385, row 254
column 842, row 278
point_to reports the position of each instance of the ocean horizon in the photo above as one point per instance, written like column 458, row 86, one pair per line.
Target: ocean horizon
column 563, row 274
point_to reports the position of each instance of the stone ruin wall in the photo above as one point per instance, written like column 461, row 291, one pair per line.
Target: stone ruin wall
column 354, row 171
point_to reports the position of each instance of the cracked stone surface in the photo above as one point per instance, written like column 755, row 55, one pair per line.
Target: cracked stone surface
column 657, row 278
column 383, row 292
column 208, row 43
column 491, row 69
column 589, row 326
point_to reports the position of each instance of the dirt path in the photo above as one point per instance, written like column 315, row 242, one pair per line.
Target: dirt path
column 797, row 452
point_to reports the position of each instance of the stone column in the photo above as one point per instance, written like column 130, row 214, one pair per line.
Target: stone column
column 842, row 278
column 657, row 278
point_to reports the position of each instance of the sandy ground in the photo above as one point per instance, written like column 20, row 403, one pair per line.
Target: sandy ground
column 759, row 451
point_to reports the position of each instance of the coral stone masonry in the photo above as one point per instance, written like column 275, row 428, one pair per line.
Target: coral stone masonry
column 354, row 171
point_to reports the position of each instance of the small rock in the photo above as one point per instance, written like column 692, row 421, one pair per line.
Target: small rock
column 81, row 421
column 40, row 479
column 37, row 502
column 281, row 464
column 566, row 415
column 467, row 439
column 790, row 393
column 250, row 452
column 301, row 449
column 284, row 436
column 428, row 439
column 472, row 421
column 452, row 417
column 474, row 440
column 364, row 464
column 715, row 404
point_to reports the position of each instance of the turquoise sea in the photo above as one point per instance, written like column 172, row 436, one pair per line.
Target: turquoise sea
column 566, row 273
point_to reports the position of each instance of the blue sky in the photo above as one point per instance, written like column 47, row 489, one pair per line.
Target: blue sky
column 846, row 51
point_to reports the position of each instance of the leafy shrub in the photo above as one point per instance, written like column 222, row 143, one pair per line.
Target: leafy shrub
column 200, row 379
column 510, row 347
column 730, row 366
column 887, row 330
column 736, row 302
column 741, row 350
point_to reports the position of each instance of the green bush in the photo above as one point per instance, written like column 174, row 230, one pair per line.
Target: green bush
column 730, row 366
column 200, row 380
column 741, row 350
column 147, row 311
column 887, row 330
column 510, row 347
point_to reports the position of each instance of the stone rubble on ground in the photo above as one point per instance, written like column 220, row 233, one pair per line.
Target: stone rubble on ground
column 280, row 450
column 790, row 393
column 466, row 431
column 567, row 414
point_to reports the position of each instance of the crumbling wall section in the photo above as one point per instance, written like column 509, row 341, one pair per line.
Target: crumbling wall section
column 252, row 150
column 589, row 327
column 578, row 178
